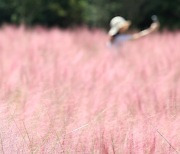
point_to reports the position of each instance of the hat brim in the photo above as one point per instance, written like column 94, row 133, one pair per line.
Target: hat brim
column 114, row 30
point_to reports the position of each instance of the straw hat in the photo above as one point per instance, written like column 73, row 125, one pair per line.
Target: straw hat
column 116, row 24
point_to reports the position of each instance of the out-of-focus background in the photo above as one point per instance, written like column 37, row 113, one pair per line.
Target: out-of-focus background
column 94, row 13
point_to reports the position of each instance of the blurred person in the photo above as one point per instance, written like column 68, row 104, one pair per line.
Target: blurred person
column 119, row 27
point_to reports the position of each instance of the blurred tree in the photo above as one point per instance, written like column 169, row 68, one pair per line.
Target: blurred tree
column 99, row 12
column 20, row 11
column 63, row 13
column 47, row 12
column 168, row 12
column 95, row 13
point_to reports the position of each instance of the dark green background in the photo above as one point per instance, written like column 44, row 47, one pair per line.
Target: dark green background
column 94, row 13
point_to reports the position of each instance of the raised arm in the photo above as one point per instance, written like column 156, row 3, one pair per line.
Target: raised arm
column 154, row 26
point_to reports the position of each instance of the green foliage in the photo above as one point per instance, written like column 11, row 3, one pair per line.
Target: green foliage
column 169, row 12
column 95, row 13
column 47, row 12
column 99, row 12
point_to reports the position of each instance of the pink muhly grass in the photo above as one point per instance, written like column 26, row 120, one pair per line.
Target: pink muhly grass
column 65, row 91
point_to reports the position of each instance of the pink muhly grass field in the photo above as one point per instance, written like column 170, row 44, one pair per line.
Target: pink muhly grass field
column 66, row 91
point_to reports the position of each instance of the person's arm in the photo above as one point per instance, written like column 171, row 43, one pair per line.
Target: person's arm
column 154, row 26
